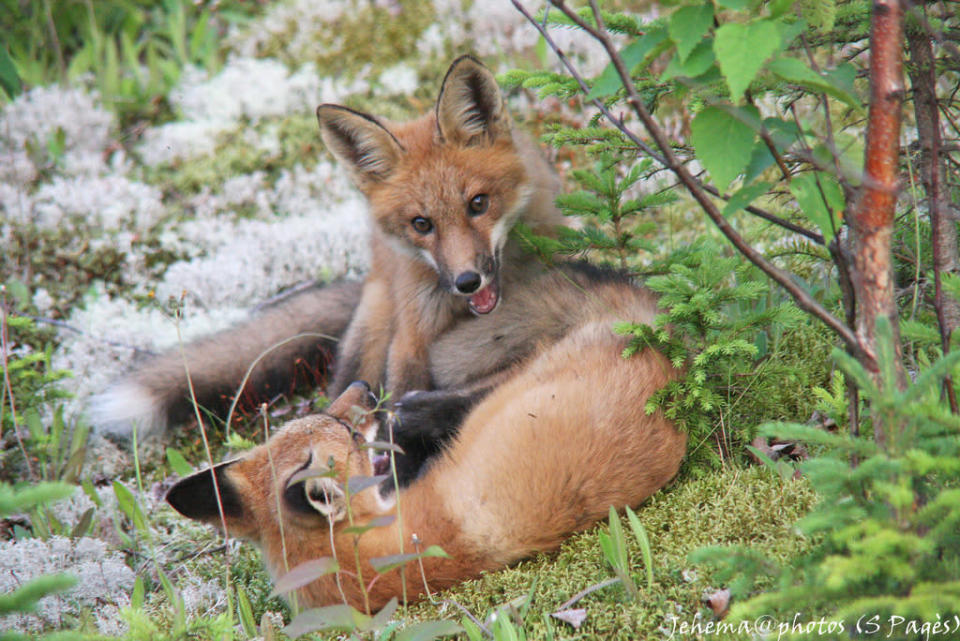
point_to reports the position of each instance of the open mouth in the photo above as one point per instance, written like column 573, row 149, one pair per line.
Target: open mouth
column 485, row 300
column 381, row 463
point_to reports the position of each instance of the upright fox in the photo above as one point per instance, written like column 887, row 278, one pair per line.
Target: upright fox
column 543, row 455
column 444, row 192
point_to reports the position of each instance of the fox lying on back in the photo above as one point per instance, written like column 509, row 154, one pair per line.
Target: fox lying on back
column 444, row 192
column 545, row 454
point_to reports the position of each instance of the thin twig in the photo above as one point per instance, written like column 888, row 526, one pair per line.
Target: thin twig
column 8, row 386
column 772, row 218
column 587, row 591
column 596, row 102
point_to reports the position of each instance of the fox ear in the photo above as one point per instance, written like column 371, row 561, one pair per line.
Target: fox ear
column 195, row 497
column 327, row 497
column 470, row 109
column 361, row 143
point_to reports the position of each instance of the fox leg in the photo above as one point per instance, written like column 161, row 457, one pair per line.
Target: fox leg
column 423, row 421
column 363, row 351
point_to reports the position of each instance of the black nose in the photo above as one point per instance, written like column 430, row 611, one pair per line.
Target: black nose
column 468, row 282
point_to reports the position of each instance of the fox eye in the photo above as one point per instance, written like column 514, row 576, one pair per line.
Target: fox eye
column 422, row 225
column 478, row 204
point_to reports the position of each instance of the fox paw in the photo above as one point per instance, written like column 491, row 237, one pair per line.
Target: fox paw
column 430, row 416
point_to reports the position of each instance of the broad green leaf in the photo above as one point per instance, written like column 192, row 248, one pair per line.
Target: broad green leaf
column 428, row 630
column 332, row 617
column 380, row 521
column 741, row 51
column 386, row 563
column 745, row 196
column 9, row 78
column 821, row 200
column 304, row 574
column 723, row 144
column 608, row 82
column 177, row 463
column 688, row 25
column 357, row 484
column 381, row 618
column 736, row 5
column 796, row 72
column 698, row 63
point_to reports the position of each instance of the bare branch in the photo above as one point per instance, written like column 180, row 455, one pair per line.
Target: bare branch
column 596, row 102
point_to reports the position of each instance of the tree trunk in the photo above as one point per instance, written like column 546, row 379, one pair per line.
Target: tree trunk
column 933, row 176
column 873, row 214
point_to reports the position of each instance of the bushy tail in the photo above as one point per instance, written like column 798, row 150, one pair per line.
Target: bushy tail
column 294, row 340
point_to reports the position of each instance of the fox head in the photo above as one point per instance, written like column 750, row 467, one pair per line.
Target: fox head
column 446, row 188
column 287, row 494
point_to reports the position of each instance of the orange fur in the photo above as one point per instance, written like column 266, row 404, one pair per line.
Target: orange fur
column 544, row 455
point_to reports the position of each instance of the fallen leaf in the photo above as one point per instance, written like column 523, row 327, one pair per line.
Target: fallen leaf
column 575, row 616
column 719, row 602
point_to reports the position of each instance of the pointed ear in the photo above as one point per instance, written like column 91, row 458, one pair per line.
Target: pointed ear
column 195, row 498
column 360, row 143
column 470, row 109
column 355, row 406
column 327, row 497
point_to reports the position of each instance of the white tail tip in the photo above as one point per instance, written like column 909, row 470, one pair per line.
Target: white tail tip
column 125, row 406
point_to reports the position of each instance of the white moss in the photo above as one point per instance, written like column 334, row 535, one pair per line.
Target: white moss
column 102, row 578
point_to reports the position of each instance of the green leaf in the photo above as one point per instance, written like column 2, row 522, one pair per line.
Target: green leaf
column 608, row 82
column 745, row 196
column 688, row 25
column 9, row 78
column 304, row 574
column 138, row 594
column 640, row 533
column 723, row 144
column 427, row 630
column 381, row 618
column 358, row 484
column 741, row 51
column 386, row 563
column 245, row 612
column 698, row 63
column 796, row 72
column 332, row 617
column 821, row 200
column 177, row 463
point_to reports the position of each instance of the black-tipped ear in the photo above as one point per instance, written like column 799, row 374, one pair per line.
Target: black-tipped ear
column 360, row 143
column 470, row 109
column 195, row 497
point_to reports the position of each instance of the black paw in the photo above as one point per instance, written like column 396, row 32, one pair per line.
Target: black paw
column 434, row 416
column 422, row 422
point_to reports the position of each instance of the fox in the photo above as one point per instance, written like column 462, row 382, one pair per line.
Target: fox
column 444, row 191
column 541, row 456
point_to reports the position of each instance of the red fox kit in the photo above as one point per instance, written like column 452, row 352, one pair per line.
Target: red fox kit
column 543, row 455
column 444, row 192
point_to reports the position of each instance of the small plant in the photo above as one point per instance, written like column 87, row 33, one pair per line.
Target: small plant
column 24, row 599
column 716, row 326
column 888, row 522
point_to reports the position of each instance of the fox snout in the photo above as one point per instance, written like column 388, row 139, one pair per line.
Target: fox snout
column 481, row 285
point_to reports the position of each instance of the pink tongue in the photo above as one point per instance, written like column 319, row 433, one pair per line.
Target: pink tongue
column 485, row 300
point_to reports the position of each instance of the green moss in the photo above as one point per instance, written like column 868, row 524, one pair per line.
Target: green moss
column 736, row 506
column 366, row 35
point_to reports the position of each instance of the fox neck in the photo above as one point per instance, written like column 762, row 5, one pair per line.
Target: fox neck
column 422, row 514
